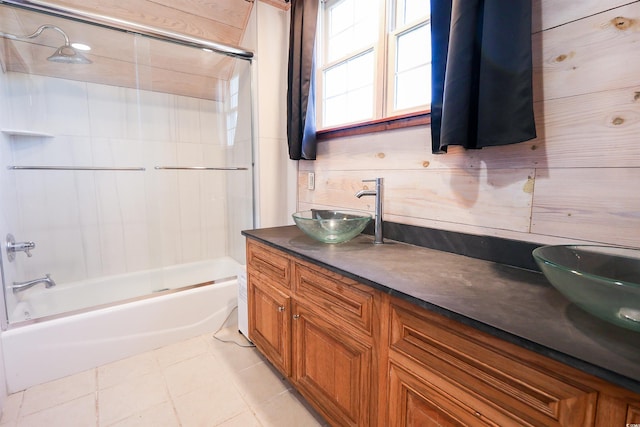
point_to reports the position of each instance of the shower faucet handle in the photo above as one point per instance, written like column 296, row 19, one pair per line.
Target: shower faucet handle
column 13, row 247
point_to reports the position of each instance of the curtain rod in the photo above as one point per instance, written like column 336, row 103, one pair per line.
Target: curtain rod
column 122, row 24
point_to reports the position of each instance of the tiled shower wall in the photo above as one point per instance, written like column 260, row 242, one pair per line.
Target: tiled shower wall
column 89, row 224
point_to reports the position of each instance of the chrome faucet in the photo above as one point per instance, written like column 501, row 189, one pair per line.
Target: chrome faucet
column 378, row 195
column 47, row 280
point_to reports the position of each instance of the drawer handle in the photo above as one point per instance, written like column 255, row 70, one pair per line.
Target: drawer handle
column 281, row 309
column 296, row 316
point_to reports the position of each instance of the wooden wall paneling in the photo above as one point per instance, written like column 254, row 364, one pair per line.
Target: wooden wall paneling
column 410, row 149
column 103, row 70
column 115, row 72
column 189, row 60
column 600, row 204
column 595, row 130
column 230, row 12
column 191, row 85
column 498, row 198
column 170, row 68
column 157, row 15
column 280, row 4
column 589, row 55
column 104, row 42
column 551, row 13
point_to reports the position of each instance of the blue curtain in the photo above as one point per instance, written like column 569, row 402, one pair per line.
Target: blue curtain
column 301, row 111
column 481, row 73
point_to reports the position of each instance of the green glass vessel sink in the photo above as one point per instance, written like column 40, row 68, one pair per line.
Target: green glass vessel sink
column 602, row 280
column 331, row 226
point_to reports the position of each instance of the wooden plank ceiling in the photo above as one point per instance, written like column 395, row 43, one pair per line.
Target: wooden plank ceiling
column 121, row 59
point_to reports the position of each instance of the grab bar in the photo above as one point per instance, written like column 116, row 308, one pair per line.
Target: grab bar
column 75, row 168
column 200, row 168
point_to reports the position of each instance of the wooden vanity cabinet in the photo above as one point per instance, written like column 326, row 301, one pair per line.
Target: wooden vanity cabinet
column 321, row 330
column 363, row 358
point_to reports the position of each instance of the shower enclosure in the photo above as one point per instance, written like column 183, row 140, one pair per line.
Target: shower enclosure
column 126, row 170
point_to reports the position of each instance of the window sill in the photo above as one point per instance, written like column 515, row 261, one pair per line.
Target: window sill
column 397, row 122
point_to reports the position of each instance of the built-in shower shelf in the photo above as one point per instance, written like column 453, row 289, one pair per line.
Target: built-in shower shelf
column 23, row 132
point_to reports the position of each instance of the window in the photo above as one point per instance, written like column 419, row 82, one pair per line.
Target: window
column 374, row 60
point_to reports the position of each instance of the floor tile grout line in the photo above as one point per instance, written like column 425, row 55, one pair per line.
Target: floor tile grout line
column 166, row 386
column 97, row 397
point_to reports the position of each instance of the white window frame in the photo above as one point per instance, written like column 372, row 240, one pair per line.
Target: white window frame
column 391, row 62
column 384, row 52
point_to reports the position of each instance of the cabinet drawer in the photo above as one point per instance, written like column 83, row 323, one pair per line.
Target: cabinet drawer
column 269, row 263
column 335, row 296
column 502, row 379
column 633, row 414
column 413, row 401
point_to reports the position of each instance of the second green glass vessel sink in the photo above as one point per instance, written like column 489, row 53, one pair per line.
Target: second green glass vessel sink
column 602, row 280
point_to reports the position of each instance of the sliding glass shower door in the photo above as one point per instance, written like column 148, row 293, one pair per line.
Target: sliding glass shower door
column 139, row 159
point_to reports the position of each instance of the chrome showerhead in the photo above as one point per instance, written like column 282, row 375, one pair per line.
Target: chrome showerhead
column 66, row 53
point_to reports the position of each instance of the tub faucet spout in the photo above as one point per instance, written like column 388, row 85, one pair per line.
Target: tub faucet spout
column 378, row 195
column 47, row 280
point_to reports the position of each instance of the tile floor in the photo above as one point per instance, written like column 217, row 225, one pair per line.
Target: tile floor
column 201, row 382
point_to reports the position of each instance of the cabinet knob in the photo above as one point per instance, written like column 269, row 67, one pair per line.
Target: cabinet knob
column 281, row 309
column 296, row 316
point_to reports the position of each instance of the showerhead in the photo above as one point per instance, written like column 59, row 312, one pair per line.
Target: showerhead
column 68, row 55
column 64, row 54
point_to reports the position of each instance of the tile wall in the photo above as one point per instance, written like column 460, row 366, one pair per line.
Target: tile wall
column 96, row 223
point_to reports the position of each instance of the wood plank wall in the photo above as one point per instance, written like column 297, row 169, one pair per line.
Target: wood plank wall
column 223, row 21
column 578, row 181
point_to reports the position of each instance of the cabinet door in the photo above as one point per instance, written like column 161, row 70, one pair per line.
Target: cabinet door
column 332, row 369
column 270, row 323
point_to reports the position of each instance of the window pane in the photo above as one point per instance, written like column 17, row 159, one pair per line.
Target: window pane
column 335, row 110
column 360, row 104
column 340, row 17
column 352, row 25
column 414, row 49
column 335, row 81
column 411, row 10
column 360, row 71
column 413, row 87
column 348, row 91
column 413, row 68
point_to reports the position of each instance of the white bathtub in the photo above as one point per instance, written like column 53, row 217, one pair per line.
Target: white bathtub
column 39, row 302
column 43, row 351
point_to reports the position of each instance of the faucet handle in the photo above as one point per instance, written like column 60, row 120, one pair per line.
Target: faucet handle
column 378, row 181
column 12, row 247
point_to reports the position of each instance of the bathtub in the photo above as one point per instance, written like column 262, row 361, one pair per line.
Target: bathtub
column 37, row 352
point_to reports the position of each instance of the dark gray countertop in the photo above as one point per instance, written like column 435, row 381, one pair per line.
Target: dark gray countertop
column 514, row 304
